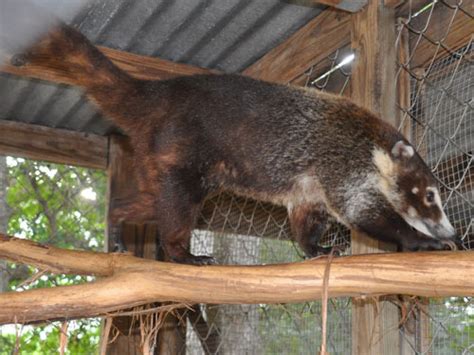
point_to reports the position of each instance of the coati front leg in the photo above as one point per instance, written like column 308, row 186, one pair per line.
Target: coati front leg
column 178, row 205
column 388, row 226
column 308, row 224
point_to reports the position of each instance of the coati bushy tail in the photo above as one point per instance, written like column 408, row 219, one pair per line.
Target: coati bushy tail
column 67, row 53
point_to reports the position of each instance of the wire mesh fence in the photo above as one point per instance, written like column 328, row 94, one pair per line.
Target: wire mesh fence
column 436, row 110
column 437, row 118
column 238, row 230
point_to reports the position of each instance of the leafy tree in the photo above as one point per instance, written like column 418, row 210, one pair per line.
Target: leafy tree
column 63, row 206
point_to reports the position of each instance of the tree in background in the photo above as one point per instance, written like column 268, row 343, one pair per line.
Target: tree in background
column 59, row 205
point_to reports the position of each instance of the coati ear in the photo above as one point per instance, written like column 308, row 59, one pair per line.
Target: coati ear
column 402, row 150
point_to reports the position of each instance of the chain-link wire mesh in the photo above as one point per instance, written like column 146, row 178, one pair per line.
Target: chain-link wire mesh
column 237, row 230
column 436, row 85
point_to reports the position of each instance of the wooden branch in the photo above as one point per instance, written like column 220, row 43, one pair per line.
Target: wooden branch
column 319, row 38
column 133, row 281
column 139, row 66
column 53, row 145
column 346, row 5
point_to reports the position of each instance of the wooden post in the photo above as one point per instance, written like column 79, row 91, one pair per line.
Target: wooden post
column 140, row 240
column 417, row 325
column 374, row 323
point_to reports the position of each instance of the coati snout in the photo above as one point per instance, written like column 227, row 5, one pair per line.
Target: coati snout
column 313, row 152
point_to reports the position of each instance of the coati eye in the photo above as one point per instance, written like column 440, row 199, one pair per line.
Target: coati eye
column 430, row 196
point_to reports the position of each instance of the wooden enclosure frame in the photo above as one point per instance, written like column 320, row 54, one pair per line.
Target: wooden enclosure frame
column 370, row 32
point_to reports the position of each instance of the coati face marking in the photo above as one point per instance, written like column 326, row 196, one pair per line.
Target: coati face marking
column 410, row 187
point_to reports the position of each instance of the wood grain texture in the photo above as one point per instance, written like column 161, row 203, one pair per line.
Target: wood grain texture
column 315, row 41
column 134, row 281
column 393, row 3
column 374, row 323
column 139, row 66
column 444, row 30
column 53, row 145
column 403, row 82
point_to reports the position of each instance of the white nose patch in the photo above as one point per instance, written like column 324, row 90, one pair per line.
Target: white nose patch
column 447, row 228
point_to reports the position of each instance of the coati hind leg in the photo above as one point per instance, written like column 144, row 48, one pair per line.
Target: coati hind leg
column 140, row 208
column 178, row 205
column 308, row 224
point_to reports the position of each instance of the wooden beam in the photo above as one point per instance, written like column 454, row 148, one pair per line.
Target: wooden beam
column 346, row 5
column 393, row 3
column 314, row 42
column 139, row 66
column 447, row 30
column 128, row 281
column 53, row 145
column 140, row 240
column 374, row 323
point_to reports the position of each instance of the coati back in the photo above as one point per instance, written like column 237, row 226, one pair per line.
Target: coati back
column 313, row 152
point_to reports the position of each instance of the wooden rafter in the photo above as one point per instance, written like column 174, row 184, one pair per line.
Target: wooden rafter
column 322, row 36
column 53, row 145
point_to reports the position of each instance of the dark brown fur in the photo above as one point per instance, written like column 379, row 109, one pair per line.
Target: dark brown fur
column 195, row 135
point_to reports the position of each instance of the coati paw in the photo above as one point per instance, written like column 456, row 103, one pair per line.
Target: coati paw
column 319, row 250
column 431, row 244
column 450, row 245
column 19, row 60
column 119, row 247
column 195, row 260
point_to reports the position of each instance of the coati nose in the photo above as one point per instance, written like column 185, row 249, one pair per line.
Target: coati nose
column 443, row 231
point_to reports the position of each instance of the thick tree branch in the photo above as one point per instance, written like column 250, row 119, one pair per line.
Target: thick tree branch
column 132, row 281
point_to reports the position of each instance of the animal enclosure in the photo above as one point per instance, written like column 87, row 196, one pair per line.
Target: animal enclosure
column 432, row 51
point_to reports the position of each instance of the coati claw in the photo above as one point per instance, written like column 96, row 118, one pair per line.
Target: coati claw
column 449, row 245
column 119, row 247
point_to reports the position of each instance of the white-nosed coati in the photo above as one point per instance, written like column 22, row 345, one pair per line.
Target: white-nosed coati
column 315, row 153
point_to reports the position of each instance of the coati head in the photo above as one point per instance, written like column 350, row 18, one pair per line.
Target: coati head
column 410, row 187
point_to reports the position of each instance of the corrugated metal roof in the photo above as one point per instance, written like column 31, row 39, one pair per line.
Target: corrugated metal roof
column 227, row 35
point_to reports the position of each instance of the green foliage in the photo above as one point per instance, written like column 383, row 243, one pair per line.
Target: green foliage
column 62, row 206
column 83, row 337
